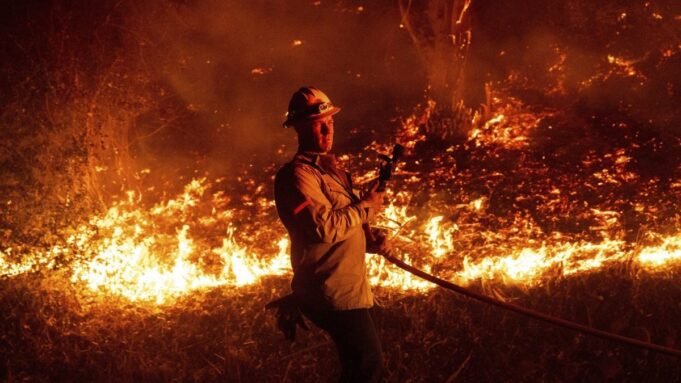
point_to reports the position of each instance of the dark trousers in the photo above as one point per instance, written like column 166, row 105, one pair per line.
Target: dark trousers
column 359, row 348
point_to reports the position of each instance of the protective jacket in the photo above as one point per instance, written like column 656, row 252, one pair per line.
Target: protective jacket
column 324, row 217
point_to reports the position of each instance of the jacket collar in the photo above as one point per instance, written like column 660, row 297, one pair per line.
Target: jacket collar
column 315, row 159
column 312, row 157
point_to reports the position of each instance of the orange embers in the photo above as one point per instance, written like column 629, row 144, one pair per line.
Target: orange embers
column 510, row 224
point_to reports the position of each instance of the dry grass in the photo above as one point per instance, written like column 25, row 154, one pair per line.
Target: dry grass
column 74, row 96
column 50, row 333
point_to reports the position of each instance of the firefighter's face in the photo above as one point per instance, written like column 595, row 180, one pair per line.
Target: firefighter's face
column 316, row 135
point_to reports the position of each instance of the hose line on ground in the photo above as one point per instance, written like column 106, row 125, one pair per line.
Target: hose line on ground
column 532, row 313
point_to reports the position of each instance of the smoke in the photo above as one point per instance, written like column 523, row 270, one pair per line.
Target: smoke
column 92, row 95
column 230, row 68
column 192, row 86
column 608, row 58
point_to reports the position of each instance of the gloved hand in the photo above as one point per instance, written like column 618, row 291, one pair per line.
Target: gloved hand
column 374, row 198
column 380, row 245
column 289, row 316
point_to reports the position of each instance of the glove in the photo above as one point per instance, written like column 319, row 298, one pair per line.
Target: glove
column 289, row 316
column 380, row 245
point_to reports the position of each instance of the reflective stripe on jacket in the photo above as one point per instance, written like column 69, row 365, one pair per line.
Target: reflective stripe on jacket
column 324, row 220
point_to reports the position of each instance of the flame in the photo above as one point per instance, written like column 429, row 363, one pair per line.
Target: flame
column 260, row 71
column 510, row 127
column 528, row 265
column 626, row 66
column 382, row 273
column 124, row 251
column 9, row 268
column 202, row 239
column 659, row 257
column 440, row 240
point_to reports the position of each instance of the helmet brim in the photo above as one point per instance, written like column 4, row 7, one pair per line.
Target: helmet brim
column 311, row 117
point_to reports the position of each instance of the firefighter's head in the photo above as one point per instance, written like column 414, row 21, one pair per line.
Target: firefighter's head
column 310, row 113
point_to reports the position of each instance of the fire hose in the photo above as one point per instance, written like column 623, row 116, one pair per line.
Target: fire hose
column 386, row 171
column 532, row 313
column 289, row 316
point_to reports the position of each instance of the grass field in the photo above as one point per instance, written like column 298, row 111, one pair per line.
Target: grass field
column 51, row 332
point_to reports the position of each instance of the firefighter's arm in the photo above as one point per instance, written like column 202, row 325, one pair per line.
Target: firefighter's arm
column 315, row 214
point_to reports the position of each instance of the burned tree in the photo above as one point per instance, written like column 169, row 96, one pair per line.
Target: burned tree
column 442, row 33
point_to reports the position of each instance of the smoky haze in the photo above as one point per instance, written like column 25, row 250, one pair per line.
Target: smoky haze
column 231, row 67
column 92, row 94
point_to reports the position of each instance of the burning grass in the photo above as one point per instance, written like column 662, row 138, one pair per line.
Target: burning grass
column 563, row 196
column 175, row 290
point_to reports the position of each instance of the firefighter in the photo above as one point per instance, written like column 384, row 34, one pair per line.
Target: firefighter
column 324, row 218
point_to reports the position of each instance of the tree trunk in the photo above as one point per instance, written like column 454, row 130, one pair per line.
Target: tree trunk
column 441, row 32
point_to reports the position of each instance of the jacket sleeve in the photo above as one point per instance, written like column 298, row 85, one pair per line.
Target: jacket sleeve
column 314, row 213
